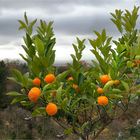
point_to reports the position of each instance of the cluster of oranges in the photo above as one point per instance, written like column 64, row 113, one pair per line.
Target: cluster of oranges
column 35, row 93
column 49, row 78
column 51, row 108
column 103, row 100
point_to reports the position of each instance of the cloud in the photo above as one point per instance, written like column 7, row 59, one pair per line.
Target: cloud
column 67, row 25
column 71, row 18
column 43, row 3
column 8, row 26
column 85, row 25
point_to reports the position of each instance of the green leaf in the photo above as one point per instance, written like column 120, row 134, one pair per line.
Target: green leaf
column 117, row 19
column 115, row 96
column 39, row 46
column 13, row 79
column 30, row 27
column 75, row 103
column 59, row 94
column 104, row 35
column 19, row 98
column 22, row 25
column 51, row 58
column 125, row 85
column 101, row 61
column 39, row 111
column 60, row 77
column 64, row 103
column 29, row 83
column 13, row 93
column 114, row 90
column 48, row 87
column 26, row 19
column 27, row 103
column 80, row 79
column 24, row 58
column 17, row 76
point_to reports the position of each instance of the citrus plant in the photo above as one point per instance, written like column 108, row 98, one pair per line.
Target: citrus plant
column 83, row 100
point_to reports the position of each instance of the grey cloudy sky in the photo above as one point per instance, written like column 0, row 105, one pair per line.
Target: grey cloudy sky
column 71, row 18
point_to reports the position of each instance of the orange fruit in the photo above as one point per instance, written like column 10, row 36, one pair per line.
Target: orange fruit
column 116, row 82
column 34, row 94
column 104, row 79
column 76, row 87
column 51, row 109
column 100, row 90
column 70, row 78
column 37, row 81
column 102, row 100
column 49, row 78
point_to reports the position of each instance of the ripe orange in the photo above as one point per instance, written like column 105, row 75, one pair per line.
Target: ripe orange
column 70, row 78
column 49, row 78
column 76, row 87
column 116, row 82
column 37, row 81
column 34, row 94
column 100, row 90
column 102, row 100
column 51, row 109
column 104, row 79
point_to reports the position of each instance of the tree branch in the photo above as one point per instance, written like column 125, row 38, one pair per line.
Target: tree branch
column 101, row 129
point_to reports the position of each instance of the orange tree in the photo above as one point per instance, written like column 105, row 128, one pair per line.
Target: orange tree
column 83, row 100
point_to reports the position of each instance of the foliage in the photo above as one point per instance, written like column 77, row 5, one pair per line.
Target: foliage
column 77, row 99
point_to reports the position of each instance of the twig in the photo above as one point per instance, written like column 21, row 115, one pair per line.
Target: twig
column 85, row 112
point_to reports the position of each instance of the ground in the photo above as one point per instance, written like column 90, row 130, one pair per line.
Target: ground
column 16, row 124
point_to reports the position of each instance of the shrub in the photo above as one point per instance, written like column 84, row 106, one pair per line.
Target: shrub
column 77, row 105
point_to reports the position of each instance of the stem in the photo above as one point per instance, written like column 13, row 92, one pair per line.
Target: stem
column 85, row 113
column 74, row 130
column 91, row 111
column 125, row 106
column 101, row 129
column 98, row 109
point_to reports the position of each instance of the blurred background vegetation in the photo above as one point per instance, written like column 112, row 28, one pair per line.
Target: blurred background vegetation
column 16, row 123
